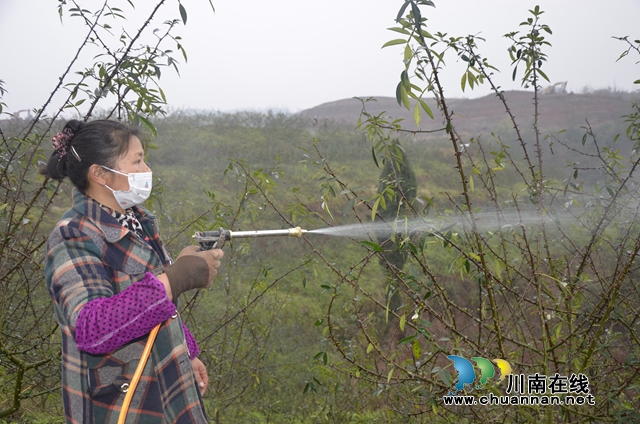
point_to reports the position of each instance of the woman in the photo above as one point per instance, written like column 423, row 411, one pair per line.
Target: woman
column 112, row 281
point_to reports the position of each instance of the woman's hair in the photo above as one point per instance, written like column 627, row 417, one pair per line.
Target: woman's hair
column 80, row 144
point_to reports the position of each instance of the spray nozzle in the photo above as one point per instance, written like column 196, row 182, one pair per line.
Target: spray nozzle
column 216, row 239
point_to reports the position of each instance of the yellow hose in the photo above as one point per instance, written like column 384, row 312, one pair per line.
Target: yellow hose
column 137, row 374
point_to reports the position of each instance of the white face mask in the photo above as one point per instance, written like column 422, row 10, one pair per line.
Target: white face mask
column 140, row 184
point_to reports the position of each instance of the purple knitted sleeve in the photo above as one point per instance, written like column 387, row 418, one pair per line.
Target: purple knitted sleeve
column 194, row 350
column 107, row 323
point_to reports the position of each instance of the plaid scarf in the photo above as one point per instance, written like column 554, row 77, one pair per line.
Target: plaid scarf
column 128, row 220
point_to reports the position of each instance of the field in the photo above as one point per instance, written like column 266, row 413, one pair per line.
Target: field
column 358, row 329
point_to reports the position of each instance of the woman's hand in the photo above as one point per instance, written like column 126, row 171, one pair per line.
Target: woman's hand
column 194, row 269
column 201, row 374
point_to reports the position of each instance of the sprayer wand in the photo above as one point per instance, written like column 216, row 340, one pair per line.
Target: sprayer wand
column 216, row 239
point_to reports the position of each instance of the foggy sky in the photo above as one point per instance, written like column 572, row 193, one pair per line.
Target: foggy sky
column 296, row 54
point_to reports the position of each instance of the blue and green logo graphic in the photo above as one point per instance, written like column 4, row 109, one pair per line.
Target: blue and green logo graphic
column 467, row 374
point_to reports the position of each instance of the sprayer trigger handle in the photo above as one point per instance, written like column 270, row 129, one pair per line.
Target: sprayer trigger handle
column 212, row 239
column 224, row 236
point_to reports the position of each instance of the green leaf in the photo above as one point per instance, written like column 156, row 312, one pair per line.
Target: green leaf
column 401, row 11
column 324, row 357
column 184, row 52
column 463, row 82
column 325, row 206
column 416, row 12
column 403, row 321
column 375, row 158
column 383, row 202
column 445, row 376
column 416, row 348
column 400, row 30
column 390, row 375
column 349, row 207
column 543, row 75
column 148, row 125
column 426, row 108
column 471, row 78
column 416, row 115
column 408, row 54
column 405, row 97
column 374, row 209
column 406, row 340
column 373, row 246
column 369, row 348
column 393, row 42
column 471, row 186
column 404, row 78
column 558, row 331
column 183, row 13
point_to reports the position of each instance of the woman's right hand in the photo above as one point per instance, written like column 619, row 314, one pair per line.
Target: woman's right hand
column 212, row 257
column 193, row 269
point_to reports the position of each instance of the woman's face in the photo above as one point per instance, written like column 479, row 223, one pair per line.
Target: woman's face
column 132, row 161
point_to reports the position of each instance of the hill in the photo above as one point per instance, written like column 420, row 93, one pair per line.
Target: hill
column 484, row 114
